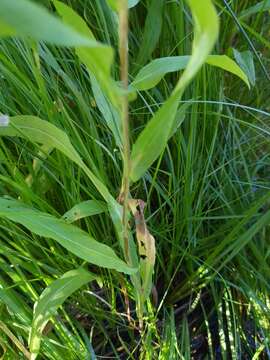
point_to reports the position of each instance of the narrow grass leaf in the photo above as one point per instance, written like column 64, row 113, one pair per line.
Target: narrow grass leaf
column 153, row 139
column 69, row 236
column 85, row 209
column 42, row 132
column 36, row 130
column 255, row 9
column 51, row 299
column 99, row 71
column 150, row 75
column 39, row 131
column 152, row 30
column 98, row 61
column 14, row 303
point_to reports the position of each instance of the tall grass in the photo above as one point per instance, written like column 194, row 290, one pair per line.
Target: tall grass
column 206, row 195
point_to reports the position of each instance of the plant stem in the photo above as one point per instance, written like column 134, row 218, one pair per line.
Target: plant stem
column 15, row 341
column 123, row 54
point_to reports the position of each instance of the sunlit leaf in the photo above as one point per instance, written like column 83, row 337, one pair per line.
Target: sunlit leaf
column 226, row 63
column 26, row 18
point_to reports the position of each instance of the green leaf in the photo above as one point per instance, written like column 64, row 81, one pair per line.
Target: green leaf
column 110, row 113
column 98, row 61
column 245, row 61
column 179, row 118
column 150, row 75
column 132, row 3
column 39, row 131
column 153, row 139
column 152, row 30
column 115, row 4
column 51, row 299
column 85, row 209
column 99, row 71
column 25, row 18
column 226, row 63
column 6, row 30
column 255, row 9
column 69, row 236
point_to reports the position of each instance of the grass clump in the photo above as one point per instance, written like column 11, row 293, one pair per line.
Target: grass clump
column 138, row 214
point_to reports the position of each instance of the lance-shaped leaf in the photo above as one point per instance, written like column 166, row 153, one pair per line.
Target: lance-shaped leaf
column 26, row 18
column 101, row 82
column 51, row 299
column 39, row 131
column 69, row 236
column 85, row 209
column 245, row 61
column 42, row 132
column 150, row 75
column 153, row 139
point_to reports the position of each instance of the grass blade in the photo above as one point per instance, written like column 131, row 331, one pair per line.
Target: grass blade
column 255, row 9
column 151, row 33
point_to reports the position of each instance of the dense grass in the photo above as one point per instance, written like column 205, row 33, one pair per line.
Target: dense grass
column 207, row 196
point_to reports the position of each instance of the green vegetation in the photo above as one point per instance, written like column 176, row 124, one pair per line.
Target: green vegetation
column 134, row 190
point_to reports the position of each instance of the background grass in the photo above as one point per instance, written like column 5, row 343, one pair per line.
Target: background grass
column 207, row 195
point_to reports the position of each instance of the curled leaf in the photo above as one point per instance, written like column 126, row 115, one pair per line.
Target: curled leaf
column 146, row 246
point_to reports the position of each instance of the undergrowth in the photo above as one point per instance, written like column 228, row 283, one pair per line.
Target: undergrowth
column 206, row 195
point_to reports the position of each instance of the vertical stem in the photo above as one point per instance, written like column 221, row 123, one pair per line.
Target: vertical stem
column 123, row 54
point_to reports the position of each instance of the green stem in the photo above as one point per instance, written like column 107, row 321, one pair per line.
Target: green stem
column 123, row 54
